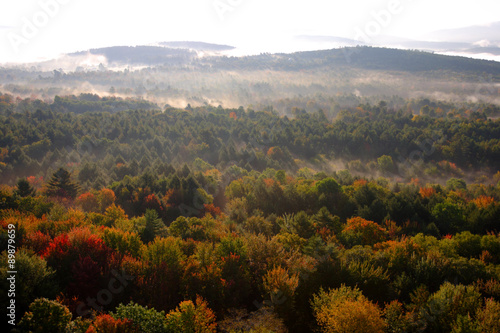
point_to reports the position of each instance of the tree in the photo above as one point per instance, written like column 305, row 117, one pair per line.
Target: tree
column 359, row 231
column 346, row 310
column 456, row 184
column 385, row 164
column 448, row 216
column 489, row 317
column 154, row 225
column 24, row 188
column 81, row 260
column 46, row 316
column 450, row 301
column 105, row 323
column 146, row 320
column 107, row 197
column 34, row 279
column 280, row 286
column 161, row 273
column 61, row 185
column 189, row 317
column 88, row 202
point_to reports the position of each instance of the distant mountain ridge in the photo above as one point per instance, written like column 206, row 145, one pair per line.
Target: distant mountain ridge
column 478, row 39
column 365, row 57
column 166, row 53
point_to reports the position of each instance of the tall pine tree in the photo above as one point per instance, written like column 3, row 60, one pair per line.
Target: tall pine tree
column 61, row 185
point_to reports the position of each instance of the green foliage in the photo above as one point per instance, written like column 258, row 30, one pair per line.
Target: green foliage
column 79, row 325
column 61, row 185
column 214, row 213
column 179, row 227
column 24, row 188
column 465, row 324
column 489, row 317
column 125, row 243
column 468, row 245
column 444, row 307
column 33, row 279
column 154, row 226
column 144, row 318
column 385, row 164
column 161, row 271
column 397, row 320
column 46, row 316
column 456, row 184
column 448, row 217
column 328, row 186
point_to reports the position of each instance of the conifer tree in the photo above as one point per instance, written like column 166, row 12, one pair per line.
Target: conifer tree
column 24, row 188
column 154, row 226
column 61, row 185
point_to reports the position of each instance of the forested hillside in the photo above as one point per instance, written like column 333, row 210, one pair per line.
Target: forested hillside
column 124, row 216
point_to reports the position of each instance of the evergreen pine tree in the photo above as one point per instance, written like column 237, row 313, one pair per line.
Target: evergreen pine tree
column 24, row 188
column 61, row 185
column 154, row 226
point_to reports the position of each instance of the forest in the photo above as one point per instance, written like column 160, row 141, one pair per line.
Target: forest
column 122, row 215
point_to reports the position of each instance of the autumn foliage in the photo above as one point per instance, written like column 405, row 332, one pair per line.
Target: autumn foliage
column 361, row 231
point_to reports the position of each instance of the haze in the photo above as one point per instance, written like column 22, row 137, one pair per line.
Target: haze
column 252, row 26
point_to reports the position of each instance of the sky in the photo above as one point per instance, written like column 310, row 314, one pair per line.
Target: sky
column 39, row 29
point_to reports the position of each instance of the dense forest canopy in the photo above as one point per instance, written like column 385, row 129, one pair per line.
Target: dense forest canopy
column 440, row 140
column 321, row 212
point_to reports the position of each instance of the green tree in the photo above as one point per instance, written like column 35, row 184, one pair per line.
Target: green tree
column 61, row 185
column 147, row 320
column 448, row 216
column 456, row 184
column 45, row 316
column 445, row 306
column 24, row 188
column 154, row 226
column 385, row 164
column 34, row 279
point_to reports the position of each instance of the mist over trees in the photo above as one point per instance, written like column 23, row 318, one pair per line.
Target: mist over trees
column 343, row 200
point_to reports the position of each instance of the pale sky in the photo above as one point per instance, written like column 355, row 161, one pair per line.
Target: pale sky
column 37, row 29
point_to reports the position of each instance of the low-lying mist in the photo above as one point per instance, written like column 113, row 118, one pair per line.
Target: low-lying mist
column 258, row 82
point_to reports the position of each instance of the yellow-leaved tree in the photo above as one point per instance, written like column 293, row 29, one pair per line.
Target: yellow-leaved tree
column 346, row 310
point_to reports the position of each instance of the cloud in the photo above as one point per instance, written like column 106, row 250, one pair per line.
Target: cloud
column 483, row 43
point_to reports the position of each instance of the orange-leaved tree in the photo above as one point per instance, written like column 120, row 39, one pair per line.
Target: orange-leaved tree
column 359, row 231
